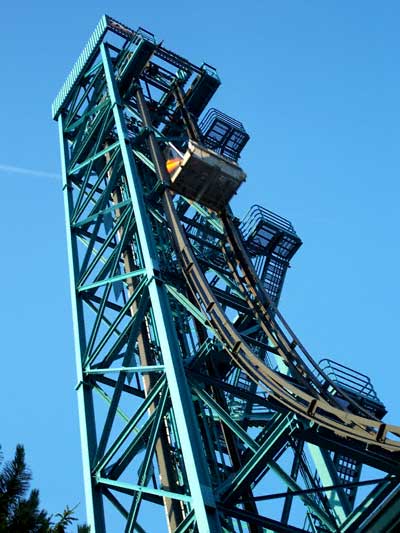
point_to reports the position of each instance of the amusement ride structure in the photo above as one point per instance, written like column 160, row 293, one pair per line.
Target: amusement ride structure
column 199, row 407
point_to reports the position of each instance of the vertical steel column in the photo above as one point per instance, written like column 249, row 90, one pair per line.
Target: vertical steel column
column 94, row 501
column 196, row 469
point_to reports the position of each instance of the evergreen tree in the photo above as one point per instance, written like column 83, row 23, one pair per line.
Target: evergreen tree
column 20, row 513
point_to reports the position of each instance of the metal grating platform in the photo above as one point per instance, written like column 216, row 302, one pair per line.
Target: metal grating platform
column 354, row 383
column 271, row 242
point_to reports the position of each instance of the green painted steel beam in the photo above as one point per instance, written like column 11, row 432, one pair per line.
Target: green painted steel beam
column 121, row 277
column 117, row 504
column 93, row 158
column 130, row 426
column 189, row 306
column 90, row 357
column 144, row 473
column 280, row 428
column 130, row 488
column 110, row 210
column 381, row 493
column 338, row 500
column 88, row 113
column 86, row 197
column 186, row 523
column 255, row 447
column 107, row 399
column 94, row 503
column 196, row 470
column 127, row 369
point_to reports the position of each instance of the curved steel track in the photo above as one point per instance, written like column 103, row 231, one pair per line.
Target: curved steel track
column 309, row 400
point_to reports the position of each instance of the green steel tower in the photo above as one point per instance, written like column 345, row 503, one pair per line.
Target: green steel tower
column 199, row 407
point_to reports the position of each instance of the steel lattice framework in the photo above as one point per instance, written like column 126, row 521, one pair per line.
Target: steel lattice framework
column 196, row 399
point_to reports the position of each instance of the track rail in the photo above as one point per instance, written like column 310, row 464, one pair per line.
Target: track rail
column 285, row 344
column 308, row 404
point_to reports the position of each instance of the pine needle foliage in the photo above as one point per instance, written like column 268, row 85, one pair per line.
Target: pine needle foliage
column 20, row 510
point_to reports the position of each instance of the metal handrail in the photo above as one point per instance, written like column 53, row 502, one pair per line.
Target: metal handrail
column 352, row 379
column 257, row 213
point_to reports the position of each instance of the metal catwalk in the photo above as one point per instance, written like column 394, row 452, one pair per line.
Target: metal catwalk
column 199, row 406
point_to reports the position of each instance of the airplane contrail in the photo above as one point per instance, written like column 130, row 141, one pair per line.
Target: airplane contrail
column 29, row 171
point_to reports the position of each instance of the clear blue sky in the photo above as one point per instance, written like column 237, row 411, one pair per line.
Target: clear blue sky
column 317, row 86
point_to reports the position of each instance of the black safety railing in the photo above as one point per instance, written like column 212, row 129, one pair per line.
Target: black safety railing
column 223, row 134
column 351, row 379
column 258, row 214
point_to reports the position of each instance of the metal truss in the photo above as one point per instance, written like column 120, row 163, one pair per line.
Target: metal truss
column 196, row 399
